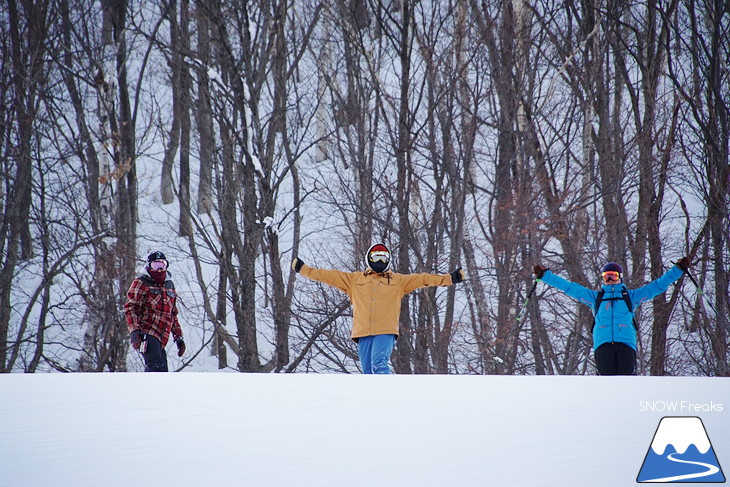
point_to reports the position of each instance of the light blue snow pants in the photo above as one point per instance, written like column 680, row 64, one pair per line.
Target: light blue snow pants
column 375, row 353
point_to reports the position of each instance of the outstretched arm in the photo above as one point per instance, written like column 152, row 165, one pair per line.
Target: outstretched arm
column 411, row 282
column 339, row 279
column 572, row 289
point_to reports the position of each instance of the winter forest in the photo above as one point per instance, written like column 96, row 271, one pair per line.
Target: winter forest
column 488, row 134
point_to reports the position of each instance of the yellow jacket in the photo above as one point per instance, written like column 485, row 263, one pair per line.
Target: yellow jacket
column 375, row 298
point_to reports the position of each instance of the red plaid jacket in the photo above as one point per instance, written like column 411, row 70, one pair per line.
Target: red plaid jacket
column 151, row 308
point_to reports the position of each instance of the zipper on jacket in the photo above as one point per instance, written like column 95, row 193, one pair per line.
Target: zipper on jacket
column 613, row 323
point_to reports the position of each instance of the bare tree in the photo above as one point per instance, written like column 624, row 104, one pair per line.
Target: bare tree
column 487, row 134
column 28, row 32
column 180, row 136
column 701, row 44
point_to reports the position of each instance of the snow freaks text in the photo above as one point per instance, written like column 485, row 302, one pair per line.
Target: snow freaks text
column 680, row 407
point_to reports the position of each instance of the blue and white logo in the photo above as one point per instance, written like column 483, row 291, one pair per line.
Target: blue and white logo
column 681, row 452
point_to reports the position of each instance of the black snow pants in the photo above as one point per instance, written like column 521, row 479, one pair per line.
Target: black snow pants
column 615, row 359
column 155, row 358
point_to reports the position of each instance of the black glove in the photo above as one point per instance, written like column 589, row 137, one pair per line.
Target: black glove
column 180, row 346
column 297, row 264
column 136, row 338
column 457, row 275
column 539, row 271
column 684, row 264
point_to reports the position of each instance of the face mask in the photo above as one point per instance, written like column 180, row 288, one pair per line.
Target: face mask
column 158, row 276
column 378, row 258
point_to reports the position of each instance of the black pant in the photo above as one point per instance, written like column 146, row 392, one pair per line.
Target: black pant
column 155, row 358
column 615, row 359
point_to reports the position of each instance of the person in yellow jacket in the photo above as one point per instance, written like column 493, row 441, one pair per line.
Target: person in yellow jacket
column 375, row 296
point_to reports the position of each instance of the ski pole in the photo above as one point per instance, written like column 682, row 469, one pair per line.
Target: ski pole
column 497, row 357
column 706, row 299
column 529, row 295
column 699, row 290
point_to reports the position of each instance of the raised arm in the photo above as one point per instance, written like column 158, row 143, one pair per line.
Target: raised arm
column 572, row 289
column 657, row 286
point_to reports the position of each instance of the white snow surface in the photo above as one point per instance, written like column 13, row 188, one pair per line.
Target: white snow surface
column 230, row 429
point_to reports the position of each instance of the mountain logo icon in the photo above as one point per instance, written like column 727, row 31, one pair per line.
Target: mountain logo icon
column 681, row 452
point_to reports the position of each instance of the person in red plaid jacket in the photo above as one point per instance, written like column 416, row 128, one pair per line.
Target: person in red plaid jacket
column 151, row 311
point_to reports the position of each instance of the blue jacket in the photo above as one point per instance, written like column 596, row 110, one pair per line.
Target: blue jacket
column 614, row 321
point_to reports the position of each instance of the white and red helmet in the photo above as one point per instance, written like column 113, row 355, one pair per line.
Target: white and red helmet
column 377, row 258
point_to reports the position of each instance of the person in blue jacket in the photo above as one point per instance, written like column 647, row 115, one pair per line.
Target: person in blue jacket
column 614, row 333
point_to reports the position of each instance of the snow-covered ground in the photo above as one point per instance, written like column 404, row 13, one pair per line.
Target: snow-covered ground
column 221, row 429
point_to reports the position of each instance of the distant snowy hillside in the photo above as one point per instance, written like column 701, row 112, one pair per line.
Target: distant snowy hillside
column 226, row 429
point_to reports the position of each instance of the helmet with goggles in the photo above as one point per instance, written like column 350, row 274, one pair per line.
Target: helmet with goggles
column 612, row 272
column 377, row 258
column 157, row 261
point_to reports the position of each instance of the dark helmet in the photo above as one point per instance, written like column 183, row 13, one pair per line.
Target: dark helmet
column 609, row 271
column 156, row 255
column 612, row 266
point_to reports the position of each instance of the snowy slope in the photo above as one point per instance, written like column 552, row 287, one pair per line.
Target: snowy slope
column 221, row 429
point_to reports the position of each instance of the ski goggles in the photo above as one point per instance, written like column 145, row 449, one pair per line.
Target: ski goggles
column 379, row 256
column 158, row 265
column 611, row 276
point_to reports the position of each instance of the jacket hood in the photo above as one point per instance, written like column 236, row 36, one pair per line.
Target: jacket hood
column 146, row 273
